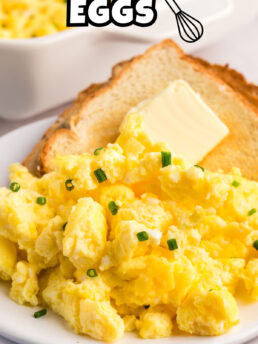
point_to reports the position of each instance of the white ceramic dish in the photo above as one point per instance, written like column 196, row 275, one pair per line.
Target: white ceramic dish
column 40, row 73
column 17, row 323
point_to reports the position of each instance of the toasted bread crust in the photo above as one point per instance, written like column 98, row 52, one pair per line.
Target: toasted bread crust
column 234, row 79
column 34, row 161
column 38, row 160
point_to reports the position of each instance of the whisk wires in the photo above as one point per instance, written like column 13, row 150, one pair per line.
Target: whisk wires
column 190, row 29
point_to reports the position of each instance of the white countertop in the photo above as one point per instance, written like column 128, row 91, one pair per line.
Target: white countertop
column 239, row 50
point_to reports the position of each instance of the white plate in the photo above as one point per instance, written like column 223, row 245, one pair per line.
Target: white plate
column 17, row 323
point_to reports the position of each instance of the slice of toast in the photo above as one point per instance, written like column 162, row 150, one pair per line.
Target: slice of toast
column 94, row 118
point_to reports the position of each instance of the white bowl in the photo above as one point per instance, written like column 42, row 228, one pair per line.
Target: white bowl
column 40, row 73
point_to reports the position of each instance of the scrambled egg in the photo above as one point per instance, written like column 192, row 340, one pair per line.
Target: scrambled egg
column 131, row 238
column 31, row 18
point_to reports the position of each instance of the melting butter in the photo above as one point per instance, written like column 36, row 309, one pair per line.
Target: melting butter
column 179, row 117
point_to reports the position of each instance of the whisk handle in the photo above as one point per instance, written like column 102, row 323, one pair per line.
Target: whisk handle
column 173, row 5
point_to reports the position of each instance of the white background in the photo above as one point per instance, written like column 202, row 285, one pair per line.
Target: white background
column 239, row 50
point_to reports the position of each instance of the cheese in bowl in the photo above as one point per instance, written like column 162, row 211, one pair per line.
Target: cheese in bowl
column 31, row 18
column 131, row 238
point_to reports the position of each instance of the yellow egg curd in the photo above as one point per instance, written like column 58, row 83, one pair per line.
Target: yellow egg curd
column 31, row 18
column 131, row 238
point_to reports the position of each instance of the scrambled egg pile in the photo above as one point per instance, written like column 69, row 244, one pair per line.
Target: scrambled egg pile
column 131, row 238
column 31, row 18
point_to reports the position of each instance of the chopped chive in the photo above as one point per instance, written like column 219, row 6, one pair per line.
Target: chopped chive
column 64, row 225
column 211, row 290
column 172, row 244
column 100, row 175
column 142, row 236
column 113, row 207
column 40, row 313
column 255, row 244
column 235, row 183
column 251, row 212
column 166, row 158
column 92, row 273
column 41, row 200
column 97, row 151
column 69, row 185
column 15, row 187
column 198, row 166
column 146, row 306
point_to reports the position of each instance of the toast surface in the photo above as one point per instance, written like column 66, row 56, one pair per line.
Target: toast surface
column 95, row 116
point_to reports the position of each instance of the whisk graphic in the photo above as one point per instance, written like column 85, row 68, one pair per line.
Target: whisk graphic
column 189, row 28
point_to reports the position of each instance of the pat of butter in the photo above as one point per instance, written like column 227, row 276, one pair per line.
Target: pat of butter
column 179, row 117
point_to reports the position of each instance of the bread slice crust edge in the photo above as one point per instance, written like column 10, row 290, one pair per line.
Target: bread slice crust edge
column 38, row 161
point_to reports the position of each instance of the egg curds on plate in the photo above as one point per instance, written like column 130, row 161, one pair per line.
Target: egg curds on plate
column 131, row 238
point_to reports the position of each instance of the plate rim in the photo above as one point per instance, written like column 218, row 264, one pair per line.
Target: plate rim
column 7, row 332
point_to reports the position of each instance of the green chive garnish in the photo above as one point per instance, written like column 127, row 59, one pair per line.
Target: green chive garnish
column 146, row 306
column 172, row 244
column 64, row 225
column 40, row 313
column 166, row 158
column 15, row 187
column 97, row 151
column 100, row 175
column 198, row 166
column 113, row 207
column 41, row 200
column 255, row 244
column 92, row 273
column 235, row 183
column 251, row 212
column 69, row 185
column 142, row 236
